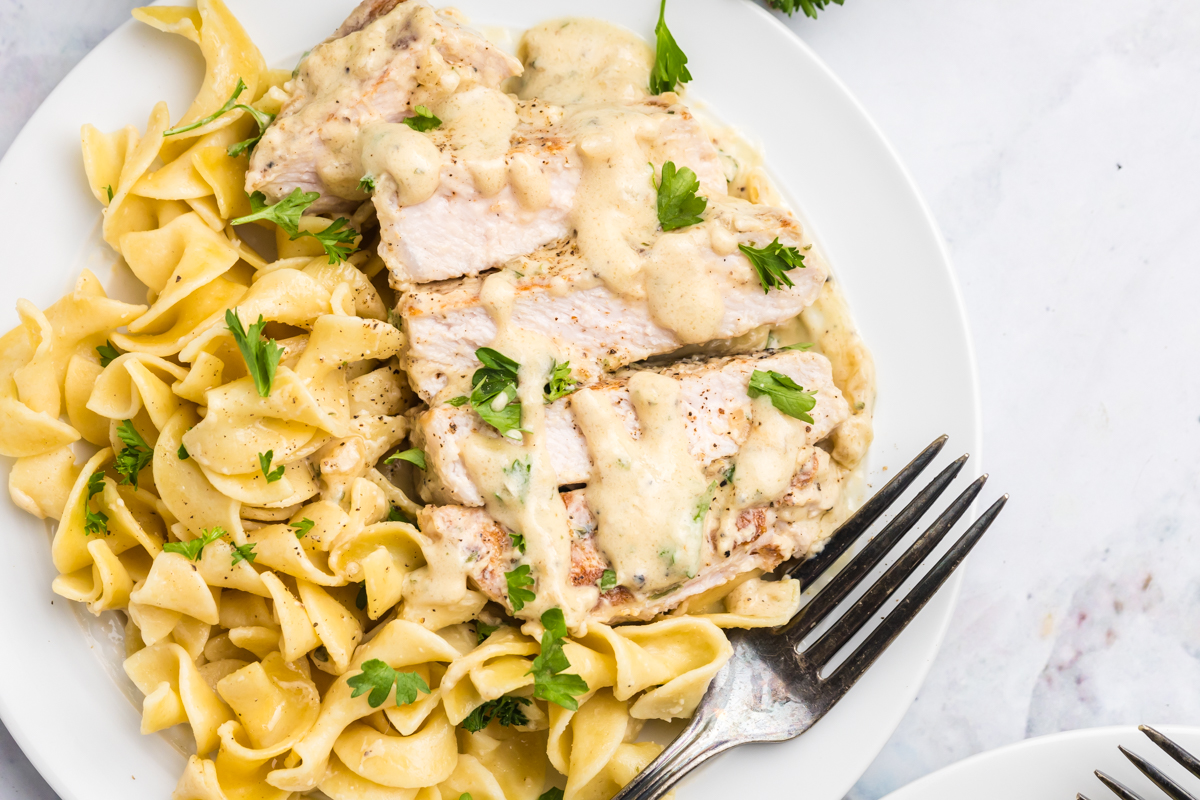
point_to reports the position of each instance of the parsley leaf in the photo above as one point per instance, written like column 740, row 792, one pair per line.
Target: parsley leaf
column 261, row 356
column 261, row 117
column 110, row 192
column 337, row 239
column 483, row 631
column 302, row 527
column 786, row 395
column 518, row 541
column 396, row 515
column 608, row 580
column 772, row 263
column 413, row 456
column 243, row 552
column 670, row 63
column 506, row 710
column 423, row 121
column 678, row 204
column 230, row 104
column 494, row 393
column 548, row 683
column 95, row 523
column 192, row 550
column 247, row 145
column 517, row 476
column 360, row 600
column 134, row 456
column 797, row 346
column 264, row 463
column 107, row 353
column 553, row 793
column 366, row 184
column 810, row 7
column 182, row 453
column 95, row 484
column 704, row 502
column 462, row 399
column 560, row 383
column 517, row 580
column 377, row 678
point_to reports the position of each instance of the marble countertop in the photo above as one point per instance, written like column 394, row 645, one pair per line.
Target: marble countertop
column 1058, row 144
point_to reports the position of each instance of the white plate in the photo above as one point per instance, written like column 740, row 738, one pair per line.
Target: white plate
column 64, row 698
column 1057, row 767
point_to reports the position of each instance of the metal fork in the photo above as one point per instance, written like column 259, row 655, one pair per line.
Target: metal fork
column 1173, row 789
column 771, row 690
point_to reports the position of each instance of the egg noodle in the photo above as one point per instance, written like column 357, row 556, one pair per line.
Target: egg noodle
column 258, row 545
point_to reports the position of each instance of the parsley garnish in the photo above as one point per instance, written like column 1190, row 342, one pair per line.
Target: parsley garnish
column 261, row 356
column 483, row 631
column 107, row 353
column 243, row 552
column 560, row 383
column 396, row 515
column 360, row 599
column 110, row 192
column 134, row 456
column 548, row 683
column 182, row 453
column 786, row 395
column 366, row 184
column 810, row 7
column 670, row 63
column 517, row 580
column 506, row 710
column 264, row 463
column 95, row 523
column 413, row 456
column 678, row 204
column 608, row 580
column 302, row 527
column 377, row 678
column 553, row 793
column 518, row 541
column 337, row 239
column 494, row 393
column 423, row 121
column 704, row 502
column 517, row 475
column 462, row 399
column 191, row 550
column 797, row 346
column 772, row 263
column 261, row 117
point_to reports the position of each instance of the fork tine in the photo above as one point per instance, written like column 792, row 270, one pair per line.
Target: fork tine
column 865, row 654
column 869, row 557
column 841, row 632
column 1181, row 756
column 849, row 531
column 1119, row 789
column 1173, row 789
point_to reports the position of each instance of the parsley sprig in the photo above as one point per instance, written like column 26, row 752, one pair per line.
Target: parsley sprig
column 810, row 7
column 560, row 383
column 413, row 456
column 95, row 523
column 134, row 456
column 337, row 239
column 483, row 631
column 670, row 62
column 548, row 681
column 261, row 355
column 192, row 550
column 518, row 542
column 264, row 463
column 261, row 117
column 302, row 527
column 772, row 263
column 107, row 353
column 678, row 204
column 423, row 121
column 378, row 678
column 608, row 580
column 506, row 710
column 786, row 395
column 518, row 580
column 243, row 552
column 494, row 393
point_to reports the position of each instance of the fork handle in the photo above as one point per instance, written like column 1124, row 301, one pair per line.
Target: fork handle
column 699, row 742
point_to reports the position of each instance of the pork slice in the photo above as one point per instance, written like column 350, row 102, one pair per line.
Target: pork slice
column 380, row 63
column 461, row 231
column 594, row 327
column 767, row 536
column 715, row 406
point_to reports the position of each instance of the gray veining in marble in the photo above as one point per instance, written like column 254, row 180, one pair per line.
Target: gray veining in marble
column 1058, row 144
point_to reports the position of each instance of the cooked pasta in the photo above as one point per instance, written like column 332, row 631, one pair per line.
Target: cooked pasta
column 238, row 507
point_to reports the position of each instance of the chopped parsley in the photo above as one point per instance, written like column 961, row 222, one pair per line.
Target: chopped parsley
column 517, row 476
column 302, row 527
column 423, row 121
column 608, row 580
column 553, row 793
column 797, row 346
column 809, row 7
column 109, row 190
column 360, row 600
column 264, row 463
column 243, row 552
column 396, row 515
column 182, row 453
column 483, row 631
column 678, row 204
column 704, row 502
column 772, row 263
column 337, row 239
column 134, row 457
column 560, row 383
column 786, row 395
column 95, row 523
column 494, row 393
column 107, row 353
column 366, row 184
column 261, row 355
column 670, row 63
column 518, row 541
column 413, row 456
column 378, row 678
column 517, row 580
column 505, row 710
column 192, row 550
column 548, row 681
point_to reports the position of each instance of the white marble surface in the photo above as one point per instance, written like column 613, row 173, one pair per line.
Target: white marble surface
column 1058, row 143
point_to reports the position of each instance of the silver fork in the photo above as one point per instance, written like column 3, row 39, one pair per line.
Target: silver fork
column 771, row 690
column 1173, row 789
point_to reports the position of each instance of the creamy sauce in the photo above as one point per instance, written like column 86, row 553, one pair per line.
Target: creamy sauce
column 766, row 461
column 569, row 61
column 649, row 495
column 479, row 124
column 409, row 158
